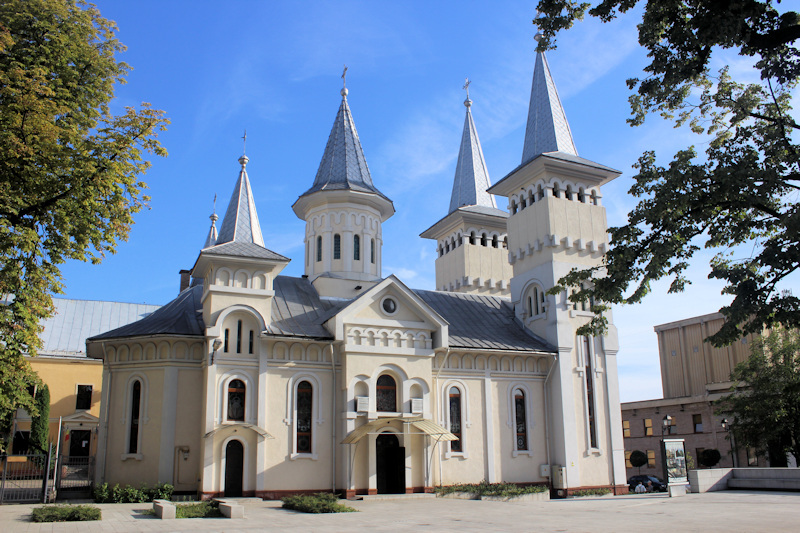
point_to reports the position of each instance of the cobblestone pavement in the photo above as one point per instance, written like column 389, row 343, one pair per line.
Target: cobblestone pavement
column 709, row 512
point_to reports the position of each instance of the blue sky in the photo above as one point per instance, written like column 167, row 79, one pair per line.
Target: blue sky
column 274, row 69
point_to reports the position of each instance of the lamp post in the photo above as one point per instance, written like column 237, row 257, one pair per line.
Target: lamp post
column 665, row 423
column 726, row 426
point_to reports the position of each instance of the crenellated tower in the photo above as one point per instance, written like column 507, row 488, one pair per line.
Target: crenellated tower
column 556, row 223
column 344, row 212
column 471, row 239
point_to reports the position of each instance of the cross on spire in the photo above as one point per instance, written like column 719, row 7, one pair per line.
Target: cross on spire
column 466, row 86
column 344, row 78
column 244, row 147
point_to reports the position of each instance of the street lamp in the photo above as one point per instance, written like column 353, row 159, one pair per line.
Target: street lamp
column 666, row 423
column 726, row 426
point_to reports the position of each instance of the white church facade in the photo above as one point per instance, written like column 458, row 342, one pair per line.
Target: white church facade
column 257, row 384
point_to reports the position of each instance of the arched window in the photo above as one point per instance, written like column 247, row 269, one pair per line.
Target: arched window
column 337, row 246
column 494, row 241
column 540, row 192
column 227, row 339
column 441, row 251
column 483, row 239
column 505, row 243
column 319, row 248
column 236, row 395
column 581, row 196
column 594, row 197
column 386, row 394
column 239, row 336
column 356, row 247
column 531, row 197
column 304, row 406
column 133, row 428
column 536, row 300
column 556, row 191
column 568, row 194
column 472, row 237
column 520, row 419
column 455, row 419
column 447, row 247
column 372, row 251
column 513, row 207
column 251, row 342
column 589, row 376
column 522, row 203
column 452, row 243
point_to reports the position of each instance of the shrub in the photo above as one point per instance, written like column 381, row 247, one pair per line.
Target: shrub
column 198, row 510
column 709, row 457
column 66, row 513
column 130, row 494
column 591, row 492
column 322, row 502
column 638, row 459
column 484, row 488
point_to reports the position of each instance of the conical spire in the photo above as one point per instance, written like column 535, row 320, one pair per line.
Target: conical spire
column 241, row 220
column 548, row 129
column 343, row 165
column 472, row 178
column 211, row 240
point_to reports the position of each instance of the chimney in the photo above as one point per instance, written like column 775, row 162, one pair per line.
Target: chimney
column 186, row 278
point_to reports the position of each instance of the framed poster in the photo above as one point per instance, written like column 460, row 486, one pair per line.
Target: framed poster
column 675, row 461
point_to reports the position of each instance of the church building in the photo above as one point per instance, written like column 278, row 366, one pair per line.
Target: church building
column 258, row 384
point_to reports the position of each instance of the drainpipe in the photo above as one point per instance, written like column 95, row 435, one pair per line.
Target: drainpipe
column 547, row 413
column 333, row 420
column 436, row 398
column 107, row 394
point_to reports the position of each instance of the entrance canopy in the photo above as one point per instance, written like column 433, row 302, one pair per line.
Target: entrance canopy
column 261, row 433
column 422, row 425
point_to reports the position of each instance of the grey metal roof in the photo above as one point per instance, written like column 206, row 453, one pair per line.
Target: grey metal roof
column 484, row 210
column 244, row 249
column 548, row 129
column 182, row 316
column 74, row 321
column 298, row 311
column 343, row 165
column 472, row 178
column 241, row 220
column 482, row 322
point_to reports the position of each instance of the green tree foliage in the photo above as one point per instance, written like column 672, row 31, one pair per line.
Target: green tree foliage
column 69, row 169
column 765, row 398
column 638, row 459
column 709, row 457
column 738, row 198
column 40, row 422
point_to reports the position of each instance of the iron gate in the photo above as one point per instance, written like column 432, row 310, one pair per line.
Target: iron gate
column 25, row 478
column 75, row 475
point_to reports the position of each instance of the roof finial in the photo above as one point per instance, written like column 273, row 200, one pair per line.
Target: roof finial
column 467, row 102
column 244, row 159
column 344, row 82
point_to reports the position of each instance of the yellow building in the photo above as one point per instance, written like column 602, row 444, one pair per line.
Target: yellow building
column 254, row 383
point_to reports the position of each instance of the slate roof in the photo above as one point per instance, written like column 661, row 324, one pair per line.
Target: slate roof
column 343, row 164
column 547, row 129
column 482, row 322
column 298, row 311
column 182, row 316
column 74, row 321
column 244, row 249
column 484, row 210
column 472, row 178
column 241, row 219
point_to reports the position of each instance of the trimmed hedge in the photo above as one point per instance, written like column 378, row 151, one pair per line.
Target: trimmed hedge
column 484, row 488
column 591, row 492
column 131, row 494
column 198, row 510
column 322, row 502
column 66, row 513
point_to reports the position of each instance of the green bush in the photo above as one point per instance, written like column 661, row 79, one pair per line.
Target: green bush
column 198, row 510
column 322, row 502
column 130, row 494
column 484, row 488
column 65, row 513
column 591, row 492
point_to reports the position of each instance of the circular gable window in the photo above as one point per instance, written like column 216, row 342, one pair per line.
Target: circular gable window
column 389, row 305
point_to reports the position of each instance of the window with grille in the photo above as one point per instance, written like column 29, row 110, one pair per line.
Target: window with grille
column 455, row 419
column 305, row 397
column 386, row 394
column 521, row 420
column 236, row 396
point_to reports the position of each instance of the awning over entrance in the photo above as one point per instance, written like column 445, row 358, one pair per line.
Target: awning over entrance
column 422, row 425
column 263, row 434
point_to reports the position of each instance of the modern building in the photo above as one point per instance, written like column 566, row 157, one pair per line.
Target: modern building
column 693, row 375
column 255, row 383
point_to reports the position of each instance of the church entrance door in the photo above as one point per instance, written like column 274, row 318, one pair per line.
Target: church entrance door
column 390, row 464
column 234, row 468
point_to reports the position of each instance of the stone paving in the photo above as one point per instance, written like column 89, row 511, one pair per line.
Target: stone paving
column 708, row 512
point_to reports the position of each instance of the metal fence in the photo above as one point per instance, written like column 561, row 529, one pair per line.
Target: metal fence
column 25, row 478
column 75, row 475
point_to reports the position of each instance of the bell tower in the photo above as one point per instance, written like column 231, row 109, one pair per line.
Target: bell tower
column 344, row 212
column 556, row 223
column 471, row 239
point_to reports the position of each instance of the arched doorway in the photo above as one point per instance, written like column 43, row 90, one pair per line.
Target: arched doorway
column 390, row 464
column 234, row 468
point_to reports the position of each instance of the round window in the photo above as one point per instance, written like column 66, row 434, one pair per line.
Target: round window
column 389, row 306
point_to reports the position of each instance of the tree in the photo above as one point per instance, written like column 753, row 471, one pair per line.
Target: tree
column 765, row 399
column 638, row 459
column 69, row 169
column 739, row 197
column 709, row 457
column 40, row 422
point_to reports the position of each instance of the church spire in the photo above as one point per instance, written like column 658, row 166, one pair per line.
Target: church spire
column 211, row 240
column 343, row 165
column 241, row 220
column 472, row 178
column 548, row 129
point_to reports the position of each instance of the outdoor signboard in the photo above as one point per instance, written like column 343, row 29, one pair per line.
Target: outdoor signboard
column 674, row 454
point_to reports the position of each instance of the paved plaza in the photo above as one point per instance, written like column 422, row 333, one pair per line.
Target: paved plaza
column 714, row 511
